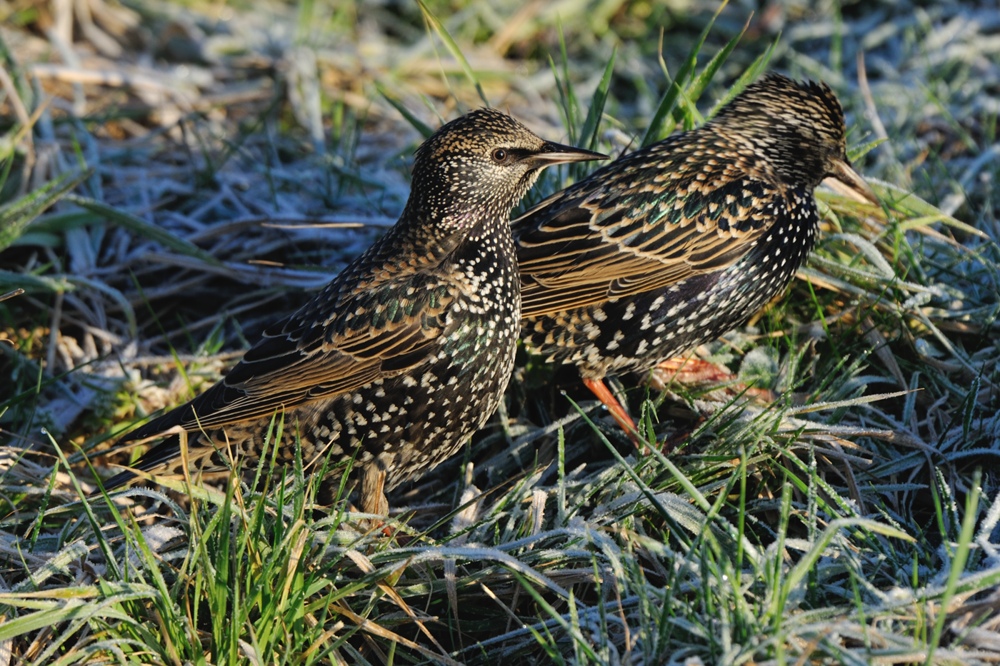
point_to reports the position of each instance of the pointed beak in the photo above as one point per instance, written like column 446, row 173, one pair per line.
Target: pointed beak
column 855, row 185
column 556, row 153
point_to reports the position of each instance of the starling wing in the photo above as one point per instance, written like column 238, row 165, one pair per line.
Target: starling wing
column 612, row 236
column 321, row 351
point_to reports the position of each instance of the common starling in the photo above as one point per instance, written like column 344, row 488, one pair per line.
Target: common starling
column 674, row 244
column 407, row 351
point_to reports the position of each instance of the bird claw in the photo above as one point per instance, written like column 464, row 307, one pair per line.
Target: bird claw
column 693, row 371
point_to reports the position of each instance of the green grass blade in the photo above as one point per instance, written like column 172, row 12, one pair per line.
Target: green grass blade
column 659, row 126
column 749, row 75
column 592, row 124
column 424, row 129
column 701, row 81
column 145, row 229
column 16, row 215
column 10, row 281
column 453, row 48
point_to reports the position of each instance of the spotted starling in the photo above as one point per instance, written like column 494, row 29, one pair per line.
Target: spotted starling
column 674, row 244
column 407, row 351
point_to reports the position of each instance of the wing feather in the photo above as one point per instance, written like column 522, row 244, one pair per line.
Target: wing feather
column 652, row 219
column 380, row 331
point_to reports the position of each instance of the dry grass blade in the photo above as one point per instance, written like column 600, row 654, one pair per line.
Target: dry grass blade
column 377, row 630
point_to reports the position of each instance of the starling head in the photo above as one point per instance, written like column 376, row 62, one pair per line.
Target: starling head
column 797, row 127
column 482, row 161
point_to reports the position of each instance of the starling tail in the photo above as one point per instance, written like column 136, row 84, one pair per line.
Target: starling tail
column 408, row 350
column 673, row 245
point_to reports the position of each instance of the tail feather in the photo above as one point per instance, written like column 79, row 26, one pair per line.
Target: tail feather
column 160, row 455
column 119, row 480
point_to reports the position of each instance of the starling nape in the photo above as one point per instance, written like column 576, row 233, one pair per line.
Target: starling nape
column 407, row 351
column 674, row 244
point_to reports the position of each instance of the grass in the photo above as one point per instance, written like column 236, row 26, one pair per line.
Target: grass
column 852, row 518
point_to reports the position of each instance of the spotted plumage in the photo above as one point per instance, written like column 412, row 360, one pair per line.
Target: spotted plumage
column 676, row 243
column 408, row 350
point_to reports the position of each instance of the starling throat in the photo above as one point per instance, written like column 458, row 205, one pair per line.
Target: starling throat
column 674, row 244
column 407, row 351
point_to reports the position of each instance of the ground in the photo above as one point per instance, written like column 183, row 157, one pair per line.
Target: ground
column 176, row 175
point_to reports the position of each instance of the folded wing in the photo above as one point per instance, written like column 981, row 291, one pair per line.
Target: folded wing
column 315, row 355
column 608, row 237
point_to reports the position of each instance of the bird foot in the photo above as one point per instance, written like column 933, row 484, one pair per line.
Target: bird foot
column 689, row 371
column 693, row 371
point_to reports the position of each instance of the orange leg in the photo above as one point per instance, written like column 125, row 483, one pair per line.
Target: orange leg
column 611, row 402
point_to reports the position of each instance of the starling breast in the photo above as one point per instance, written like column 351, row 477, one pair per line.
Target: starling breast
column 674, row 244
column 408, row 350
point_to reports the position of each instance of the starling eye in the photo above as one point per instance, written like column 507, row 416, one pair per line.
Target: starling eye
column 500, row 155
